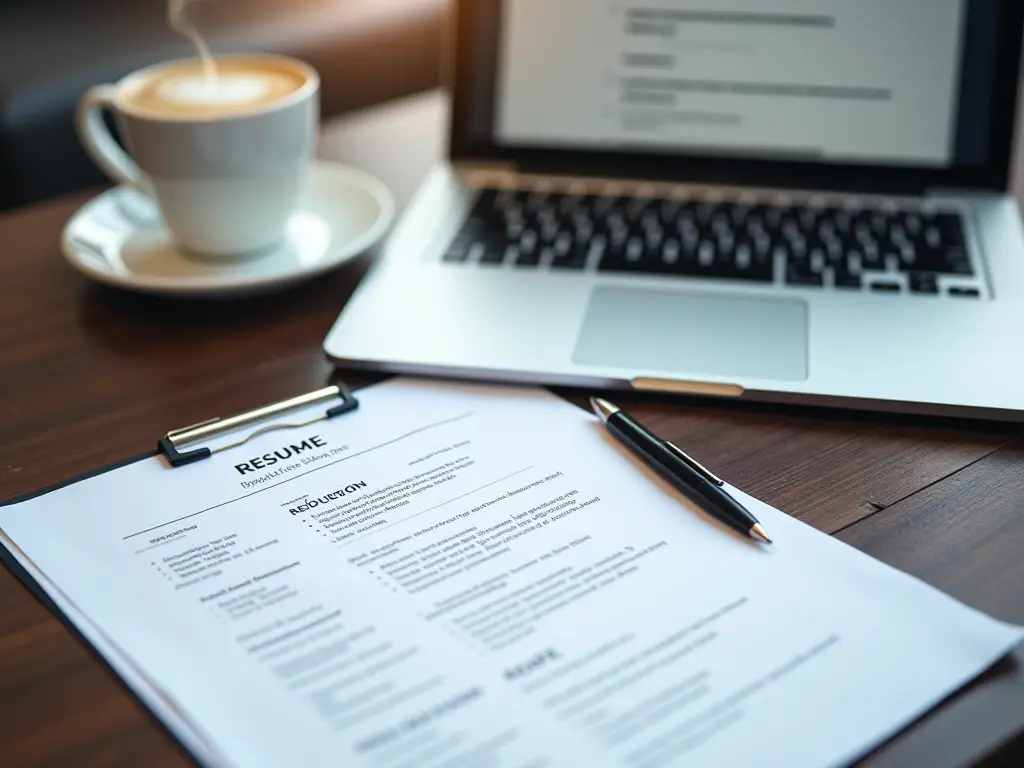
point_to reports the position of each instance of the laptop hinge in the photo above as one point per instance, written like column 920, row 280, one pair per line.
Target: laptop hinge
column 507, row 172
column 489, row 166
column 486, row 173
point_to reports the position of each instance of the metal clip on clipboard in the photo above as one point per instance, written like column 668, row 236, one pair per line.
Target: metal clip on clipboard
column 172, row 444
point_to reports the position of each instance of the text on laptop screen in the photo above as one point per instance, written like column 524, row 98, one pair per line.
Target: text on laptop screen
column 873, row 81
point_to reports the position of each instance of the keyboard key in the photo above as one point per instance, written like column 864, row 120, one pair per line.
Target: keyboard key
column 803, row 279
column 923, row 282
column 872, row 256
column 908, row 256
column 801, row 273
column 951, row 261
column 817, row 261
column 528, row 258
column 886, row 286
column 458, row 251
column 634, row 250
column 575, row 259
column 614, row 259
column 913, row 222
column 535, row 201
column 842, row 278
column 509, row 255
column 670, row 252
column 950, row 226
column 958, row 261
column 549, row 230
column 706, row 254
column 966, row 293
column 744, row 256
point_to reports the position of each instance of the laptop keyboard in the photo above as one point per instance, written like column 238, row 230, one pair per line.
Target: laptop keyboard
column 880, row 250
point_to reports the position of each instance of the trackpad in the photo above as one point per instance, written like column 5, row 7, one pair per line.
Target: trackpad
column 694, row 333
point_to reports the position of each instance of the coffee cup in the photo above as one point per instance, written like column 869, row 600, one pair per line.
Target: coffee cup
column 222, row 147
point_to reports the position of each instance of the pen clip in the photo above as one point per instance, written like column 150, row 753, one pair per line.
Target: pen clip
column 711, row 476
column 171, row 445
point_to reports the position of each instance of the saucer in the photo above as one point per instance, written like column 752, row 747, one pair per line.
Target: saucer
column 119, row 239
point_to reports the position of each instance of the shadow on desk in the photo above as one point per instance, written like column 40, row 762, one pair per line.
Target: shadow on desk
column 104, row 312
column 987, row 712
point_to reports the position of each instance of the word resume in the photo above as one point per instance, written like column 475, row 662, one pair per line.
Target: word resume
column 458, row 576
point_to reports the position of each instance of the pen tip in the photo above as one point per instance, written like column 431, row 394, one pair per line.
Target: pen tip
column 602, row 408
column 758, row 533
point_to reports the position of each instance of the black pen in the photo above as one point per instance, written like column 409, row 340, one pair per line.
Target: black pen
column 686, row 474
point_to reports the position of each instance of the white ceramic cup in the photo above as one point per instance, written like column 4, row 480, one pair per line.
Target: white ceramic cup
column 225, row 185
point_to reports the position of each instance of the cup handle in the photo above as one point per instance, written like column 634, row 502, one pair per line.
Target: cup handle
column 100, row 144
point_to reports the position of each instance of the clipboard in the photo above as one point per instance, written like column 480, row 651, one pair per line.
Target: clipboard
column 180, row 447
column 186, row 445
column 174, row 445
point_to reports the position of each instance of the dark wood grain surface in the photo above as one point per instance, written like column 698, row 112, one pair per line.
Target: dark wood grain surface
column 89, row 376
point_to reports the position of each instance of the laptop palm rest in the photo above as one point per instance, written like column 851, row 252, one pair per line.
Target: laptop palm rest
column 694, row 333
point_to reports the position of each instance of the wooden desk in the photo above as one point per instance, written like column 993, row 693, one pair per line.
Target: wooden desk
column 89, row 376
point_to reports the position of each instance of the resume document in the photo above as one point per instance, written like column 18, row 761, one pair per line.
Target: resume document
column 458, row 576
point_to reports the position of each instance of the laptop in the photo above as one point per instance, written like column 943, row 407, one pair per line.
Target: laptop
column 800, row 201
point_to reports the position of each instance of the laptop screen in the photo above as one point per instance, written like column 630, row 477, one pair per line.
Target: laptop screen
column 865, row 82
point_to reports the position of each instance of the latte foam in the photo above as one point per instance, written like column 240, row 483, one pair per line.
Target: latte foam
column 186, row 90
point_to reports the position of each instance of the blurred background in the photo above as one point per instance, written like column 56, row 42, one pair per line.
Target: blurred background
column 367, row 52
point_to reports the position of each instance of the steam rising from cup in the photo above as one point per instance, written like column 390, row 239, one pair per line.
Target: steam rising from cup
column 177, row 16
column 214, row 85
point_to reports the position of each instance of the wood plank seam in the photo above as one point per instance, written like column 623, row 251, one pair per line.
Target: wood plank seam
column 878, row 507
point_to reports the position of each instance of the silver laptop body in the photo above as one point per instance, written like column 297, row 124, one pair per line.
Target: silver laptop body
column 804, row 203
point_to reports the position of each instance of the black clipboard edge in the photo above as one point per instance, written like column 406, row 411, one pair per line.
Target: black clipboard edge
column 349, row 403
column 16, row 568
column 37, row 591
